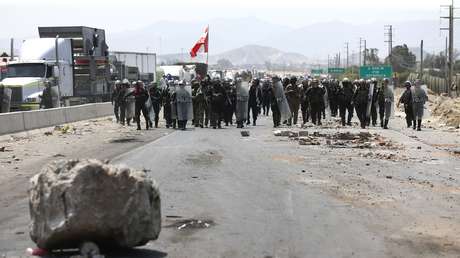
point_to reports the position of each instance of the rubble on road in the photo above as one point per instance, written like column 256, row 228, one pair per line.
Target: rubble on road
column 76, row 201
column 285, row 133
column 308, row 140
column 361, row 140
column 385, row 156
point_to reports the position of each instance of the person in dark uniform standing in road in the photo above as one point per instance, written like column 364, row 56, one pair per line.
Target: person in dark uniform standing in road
column 345, row 100
column 293, row 98
column 406, row 100
column 360, row 100
column 155, row 98
column 315, row 96
column 46, row 97
column 141, row 96
column 255, row 95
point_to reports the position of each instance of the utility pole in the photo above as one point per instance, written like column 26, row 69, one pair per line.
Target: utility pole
column 340, row 61
column 361, row 45
column 389, row 33
column 360, row 40
column 365, row 52
column 12, row 49
column 446, row 70
column 421, row 60
column 450, row 63
column 346, row 47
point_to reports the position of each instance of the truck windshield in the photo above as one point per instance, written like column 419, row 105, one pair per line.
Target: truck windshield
column 25, row 70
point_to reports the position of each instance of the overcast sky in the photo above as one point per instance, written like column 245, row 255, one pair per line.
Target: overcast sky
column 21, row 17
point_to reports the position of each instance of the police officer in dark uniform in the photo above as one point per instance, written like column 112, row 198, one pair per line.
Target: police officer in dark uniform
column 266, row 98
column 344, row 100
column 406, row 100
column 217, row 97
column 315, row 96
column 304, row 105
column 255, row 95
column 47, row 97
column 276, row 114
column 360, row 100
column 155, row 98
column 141, row 97
column 293, row 98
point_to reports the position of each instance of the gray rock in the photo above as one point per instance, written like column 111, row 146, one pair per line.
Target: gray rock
column 303, row 133
column 75, row 201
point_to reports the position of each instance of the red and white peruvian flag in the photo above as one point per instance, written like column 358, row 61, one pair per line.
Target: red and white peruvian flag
column 201, row 43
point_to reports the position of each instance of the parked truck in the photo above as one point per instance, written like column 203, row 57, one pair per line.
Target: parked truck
column 72, row 60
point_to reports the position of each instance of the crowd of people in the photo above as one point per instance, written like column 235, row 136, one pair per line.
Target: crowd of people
column 216, row 102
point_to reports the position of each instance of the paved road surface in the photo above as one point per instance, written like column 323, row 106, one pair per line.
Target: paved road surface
column 224, row 195
column 264, row 196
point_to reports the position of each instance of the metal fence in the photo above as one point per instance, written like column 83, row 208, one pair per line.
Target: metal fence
column 437, row 84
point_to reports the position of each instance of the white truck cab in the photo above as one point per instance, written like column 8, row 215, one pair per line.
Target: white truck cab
column 36, row 66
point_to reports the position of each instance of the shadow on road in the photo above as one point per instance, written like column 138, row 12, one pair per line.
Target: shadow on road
column 138, row 253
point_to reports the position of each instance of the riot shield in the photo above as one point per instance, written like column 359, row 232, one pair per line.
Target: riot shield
column 419, row 97
column 149, row 106
column 163, row 85
column 370, row 97
column 426, row 111
column 388, row 93
column 281, row 100
column 5, row 99
column 130, row 104
column 172, row 92
column 184, row 103
column 242, row 98
column 55, row 97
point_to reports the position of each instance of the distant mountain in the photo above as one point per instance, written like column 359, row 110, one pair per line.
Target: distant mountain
column 255, row 54
column 243, row 56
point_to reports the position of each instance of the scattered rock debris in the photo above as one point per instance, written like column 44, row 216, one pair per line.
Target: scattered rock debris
column 245, row 133
column 362, row 140
column 191, row 224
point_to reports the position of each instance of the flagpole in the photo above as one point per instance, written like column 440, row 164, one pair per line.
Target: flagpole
column 207, row 53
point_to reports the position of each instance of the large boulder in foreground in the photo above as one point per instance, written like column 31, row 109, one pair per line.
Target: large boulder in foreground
column 75, row 201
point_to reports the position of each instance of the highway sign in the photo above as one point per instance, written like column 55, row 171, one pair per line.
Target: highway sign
column 317, row 71
column 375, row 71
column 335, row 70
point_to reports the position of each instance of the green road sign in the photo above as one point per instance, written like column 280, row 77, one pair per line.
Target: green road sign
column 335, row 70
column 375, row 71
column 317, row 71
